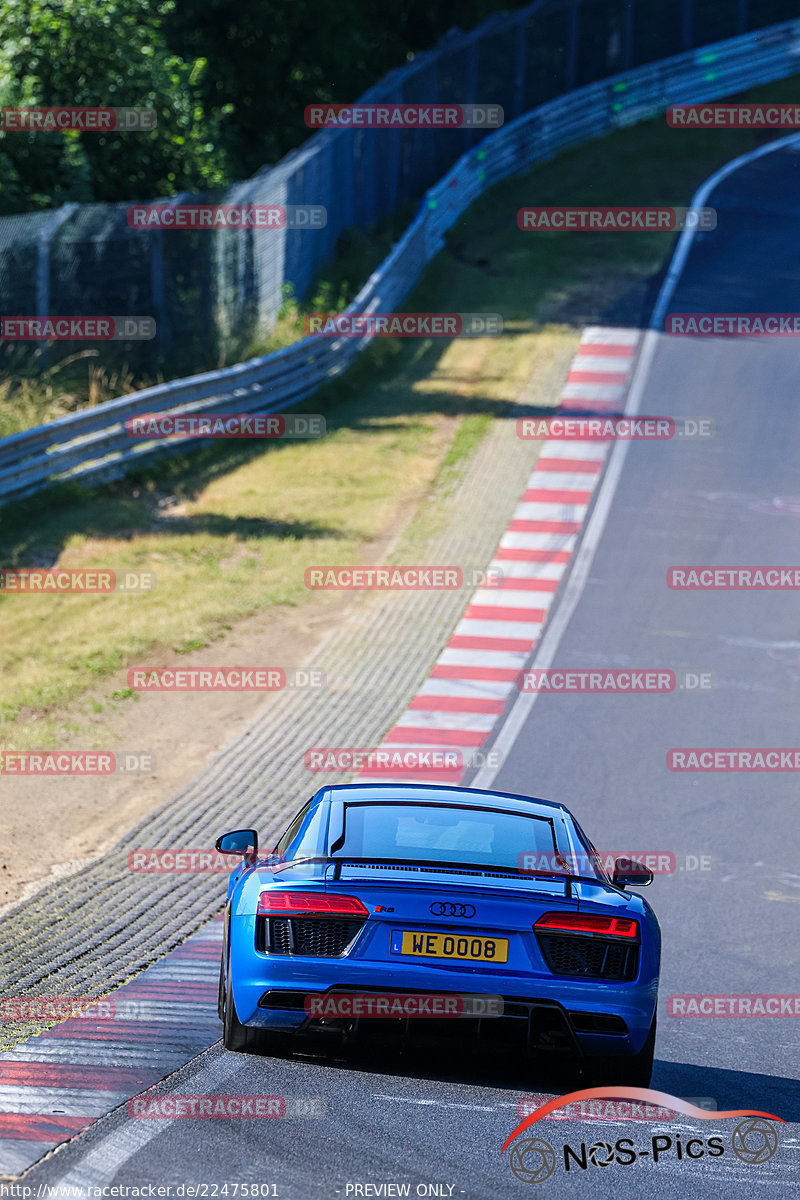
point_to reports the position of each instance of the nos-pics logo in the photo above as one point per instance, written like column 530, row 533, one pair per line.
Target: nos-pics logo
column 532, row 1159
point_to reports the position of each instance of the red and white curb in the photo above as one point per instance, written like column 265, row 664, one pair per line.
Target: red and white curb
column 54, row 1085
column 599, row 372
column 457, row 707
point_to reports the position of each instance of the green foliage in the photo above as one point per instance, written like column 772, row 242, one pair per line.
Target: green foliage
column 101, row 53
column 267, row 62
column 229, row 80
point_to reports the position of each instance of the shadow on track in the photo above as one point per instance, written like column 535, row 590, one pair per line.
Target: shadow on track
column 506, row 1067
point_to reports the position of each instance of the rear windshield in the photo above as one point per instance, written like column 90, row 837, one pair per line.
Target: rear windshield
column 443, row 833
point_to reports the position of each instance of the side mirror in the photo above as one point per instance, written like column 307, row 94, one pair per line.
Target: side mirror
column 627, row 872
column 240, row 841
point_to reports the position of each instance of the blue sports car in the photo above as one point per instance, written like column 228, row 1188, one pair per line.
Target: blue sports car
column 414, row 891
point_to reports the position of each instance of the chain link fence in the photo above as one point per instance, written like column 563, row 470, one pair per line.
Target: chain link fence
column 213, row 293
column 93, row 444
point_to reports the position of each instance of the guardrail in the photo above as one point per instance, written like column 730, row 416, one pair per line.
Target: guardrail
column 93, row 445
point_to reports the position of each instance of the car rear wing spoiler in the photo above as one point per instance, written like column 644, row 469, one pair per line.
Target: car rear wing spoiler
column 483, row 868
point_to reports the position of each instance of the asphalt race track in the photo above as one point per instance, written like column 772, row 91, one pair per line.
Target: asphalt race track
column 732, row 499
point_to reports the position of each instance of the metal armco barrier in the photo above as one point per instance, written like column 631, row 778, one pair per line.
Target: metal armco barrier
column 93, row 445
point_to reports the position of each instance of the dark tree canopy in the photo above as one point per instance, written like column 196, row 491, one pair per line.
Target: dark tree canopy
column 229, row 79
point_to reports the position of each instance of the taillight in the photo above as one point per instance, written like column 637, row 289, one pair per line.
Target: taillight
column 582, row 923
column 320, row 904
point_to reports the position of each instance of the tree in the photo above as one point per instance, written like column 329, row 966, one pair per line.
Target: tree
column 267, row 61
column 101, row 53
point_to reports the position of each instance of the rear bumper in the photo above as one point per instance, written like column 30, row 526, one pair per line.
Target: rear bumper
column 558, row 1014
column 537, row 1025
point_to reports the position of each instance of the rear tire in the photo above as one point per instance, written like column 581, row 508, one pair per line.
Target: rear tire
column 235, row 1035
column 630, row 1070
column 247, row 1038
column 221, row 992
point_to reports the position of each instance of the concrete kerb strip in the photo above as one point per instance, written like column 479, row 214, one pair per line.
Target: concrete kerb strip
column 94, row 930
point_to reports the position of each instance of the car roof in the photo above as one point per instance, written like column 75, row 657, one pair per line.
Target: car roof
column 428, row 793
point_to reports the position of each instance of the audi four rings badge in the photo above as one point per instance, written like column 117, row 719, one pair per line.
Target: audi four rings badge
column 442, row 909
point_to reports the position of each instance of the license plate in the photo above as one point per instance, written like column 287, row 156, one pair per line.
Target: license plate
column 449, row 945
